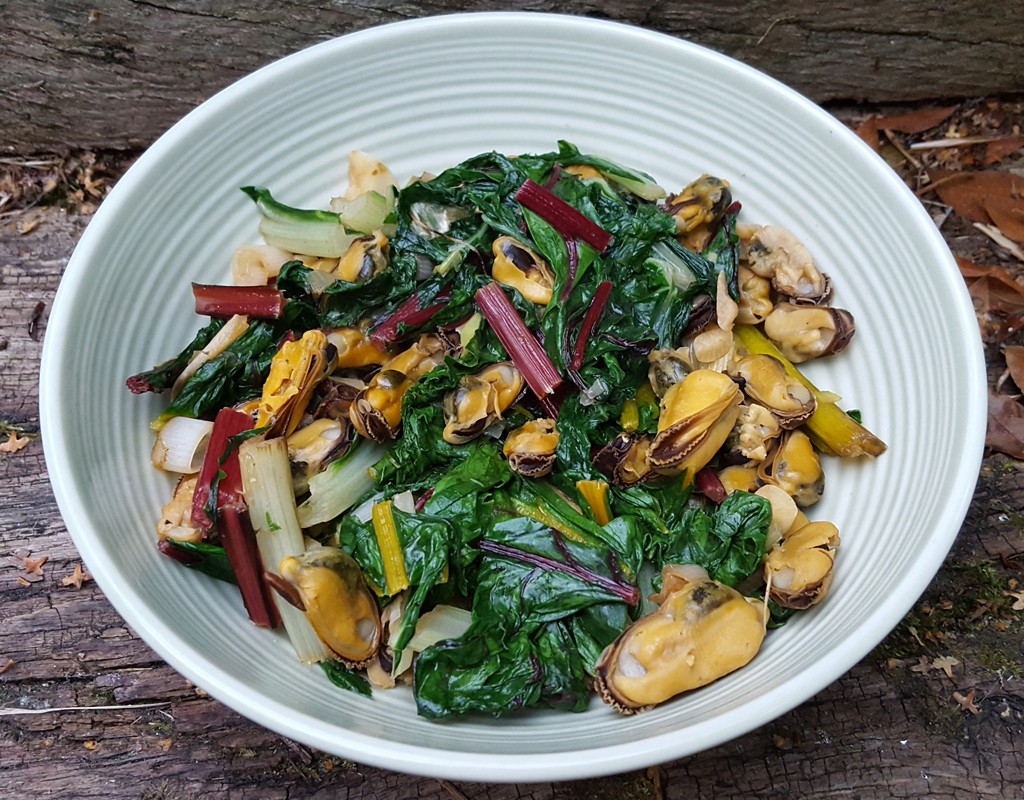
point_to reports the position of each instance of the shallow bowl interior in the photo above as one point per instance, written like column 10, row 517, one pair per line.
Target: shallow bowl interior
column 425, row 94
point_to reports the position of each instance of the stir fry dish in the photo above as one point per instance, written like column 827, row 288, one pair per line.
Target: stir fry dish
column 513, row 435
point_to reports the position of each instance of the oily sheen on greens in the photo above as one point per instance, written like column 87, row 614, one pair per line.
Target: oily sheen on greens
column 548, row 586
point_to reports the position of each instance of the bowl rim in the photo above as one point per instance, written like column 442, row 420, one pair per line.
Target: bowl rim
column 423, row 759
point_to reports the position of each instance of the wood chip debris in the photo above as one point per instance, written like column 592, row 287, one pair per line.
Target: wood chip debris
column 34, row 320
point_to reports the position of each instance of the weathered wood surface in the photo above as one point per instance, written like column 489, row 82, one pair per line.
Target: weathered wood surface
column 117, row 73
column 890, row 728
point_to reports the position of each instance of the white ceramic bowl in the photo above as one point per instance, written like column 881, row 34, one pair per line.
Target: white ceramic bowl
column 422, row 95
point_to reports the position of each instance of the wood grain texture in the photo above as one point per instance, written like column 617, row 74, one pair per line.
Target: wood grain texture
column 890, row 728
column 117, row 73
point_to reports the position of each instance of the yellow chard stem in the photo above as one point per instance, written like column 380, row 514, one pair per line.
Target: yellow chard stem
column 630, row 418
column 391, row 554
column 595, row 493
column 545, row 517
column 832, row 430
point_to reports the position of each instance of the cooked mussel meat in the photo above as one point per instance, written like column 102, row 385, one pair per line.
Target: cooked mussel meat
column 798, row 569
column 530, row 448
column 376, row 412
column 355, row 347
column 480, row 400
column 701, row 631
column 756, row 429
column 295, row 370
column 765, row 382
column 697, row 415
column 317, row 444
column 667, row 368
column 738, row 478
column 795, row 467
column 775, row 253
column 755, row 297
column 366, row 258
column 805, row 332
column 624, row 459
column 700, row 204
column 328, row 585
column 518, row 266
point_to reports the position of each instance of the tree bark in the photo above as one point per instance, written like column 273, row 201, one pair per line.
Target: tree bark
column 114, row 74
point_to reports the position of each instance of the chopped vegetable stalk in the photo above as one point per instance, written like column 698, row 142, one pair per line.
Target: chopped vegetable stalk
column 629, row 420
column 441, row 622
column 263, row 302
column 674, row 264
column 522, row 346
column 561, row 216
column 311, row 233
column 240, row 545
column 595, row 493
column 218, row 460
column 267, row 484
column 366, row 212
column 343, row 484
column 545, row 517
column 231, row 330
column 410, row 314
column 710, row 485
column 597, row 305
column 391, row 554
column 831, row 429
column 221, row 470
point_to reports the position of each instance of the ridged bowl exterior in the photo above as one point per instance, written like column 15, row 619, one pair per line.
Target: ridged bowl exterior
column 425, row 94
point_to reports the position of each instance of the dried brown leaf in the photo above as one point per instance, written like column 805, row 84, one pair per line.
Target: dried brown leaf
column 923, row 665
column 966, row 701
column 968, row 192
column 917, row 121
column 1015, row 364
column 76, row 578
column 992, row 288
column 1019, row 598
column 34, row 565
column 997, row 150
column 1005, row 431
column 945, row 664
column 1008, row 215
column 14, row 443
column 868, row 131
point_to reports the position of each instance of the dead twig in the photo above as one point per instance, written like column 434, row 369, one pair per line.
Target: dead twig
column 14, row 712
column 997, row 236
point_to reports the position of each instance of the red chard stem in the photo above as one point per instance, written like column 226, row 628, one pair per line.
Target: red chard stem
column 522, row 346
column 561, row 216
column 262, row 302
